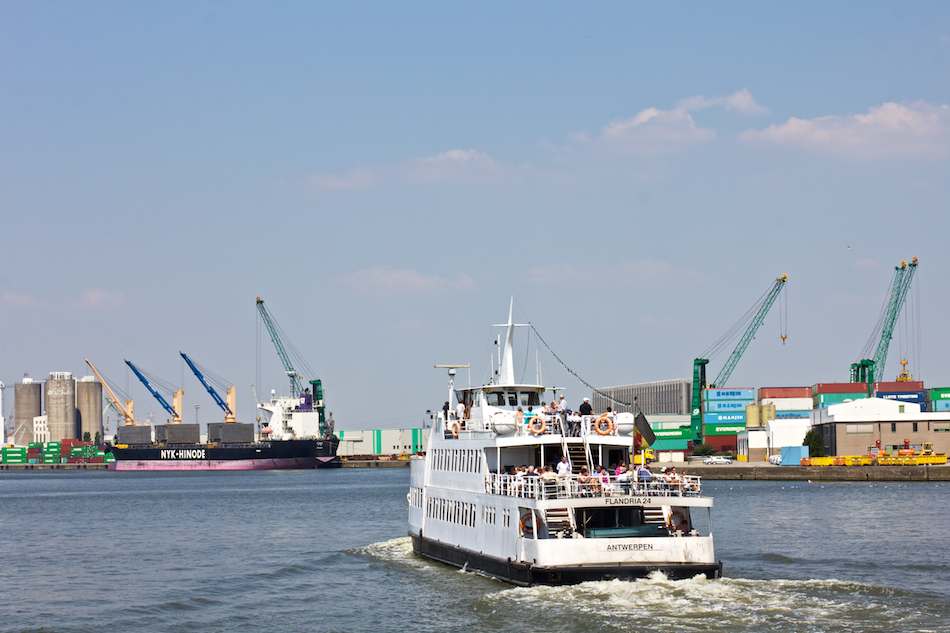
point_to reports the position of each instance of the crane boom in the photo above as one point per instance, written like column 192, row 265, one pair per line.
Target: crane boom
column 296, row 384
column 869, row 370
column 726, row 370
column 229, row 414
column 128, row 411
column 176, row 415
column 699, row 364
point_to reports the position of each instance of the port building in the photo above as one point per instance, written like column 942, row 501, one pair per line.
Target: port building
column 659, row 397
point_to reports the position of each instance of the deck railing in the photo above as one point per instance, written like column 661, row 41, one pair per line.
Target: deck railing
column 577, row 426
column 576, row 487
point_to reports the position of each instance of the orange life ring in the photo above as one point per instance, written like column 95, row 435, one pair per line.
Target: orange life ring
column 455, row 429
column 537, row 425
column 527, row 525
column 682, row 523
column 601, row 430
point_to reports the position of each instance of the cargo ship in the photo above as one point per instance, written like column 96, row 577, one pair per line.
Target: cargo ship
column 295, row 437
column 468, row 508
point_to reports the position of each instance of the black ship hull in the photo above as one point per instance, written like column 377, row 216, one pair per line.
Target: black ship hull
column 268, row 455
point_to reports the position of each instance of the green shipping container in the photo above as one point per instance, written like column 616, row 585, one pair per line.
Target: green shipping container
column 938, row 393
column 822, row 400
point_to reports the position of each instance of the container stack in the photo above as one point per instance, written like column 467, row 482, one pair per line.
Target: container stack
column 907, row 391
column 65, row 452
column 825, row 394
column 791, row 403
column 14, row 455
column 938, row 399
column 724, row 416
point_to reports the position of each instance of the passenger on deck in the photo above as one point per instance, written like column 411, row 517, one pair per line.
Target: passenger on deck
column 584, row 483
column 445, row 411
column 673, row 479
column 564, row 467
column 587, row 413
column 460, row 411
column 624, row 479
column 519, row 420
column 562, row 414
column 643, row 477
column 621, row 468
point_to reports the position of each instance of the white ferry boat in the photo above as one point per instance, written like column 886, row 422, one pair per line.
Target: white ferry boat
column 468, row 508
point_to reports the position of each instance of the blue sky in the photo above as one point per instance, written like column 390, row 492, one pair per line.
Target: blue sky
column 387, row 175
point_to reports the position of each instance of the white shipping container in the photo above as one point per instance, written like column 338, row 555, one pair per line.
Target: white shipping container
column 789, row 404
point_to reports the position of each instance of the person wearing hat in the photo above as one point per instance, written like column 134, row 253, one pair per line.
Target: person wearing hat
column 562, row 414
column 587, row 412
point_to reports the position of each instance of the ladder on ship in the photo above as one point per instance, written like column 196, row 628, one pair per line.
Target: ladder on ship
column 654, row 516
column 578, row 454
column 560, row 522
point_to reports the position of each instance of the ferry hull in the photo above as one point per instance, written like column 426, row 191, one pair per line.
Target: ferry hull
column 274, row 455
column 526, row 575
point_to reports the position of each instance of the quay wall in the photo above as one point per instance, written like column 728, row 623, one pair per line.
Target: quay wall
column 821, row 473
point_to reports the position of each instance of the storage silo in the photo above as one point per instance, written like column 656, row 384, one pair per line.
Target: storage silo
column 89, row 407
column 61, row 405
column 27, row 404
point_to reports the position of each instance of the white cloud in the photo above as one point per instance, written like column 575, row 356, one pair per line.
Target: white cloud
column 357, row 178
column 14, row 300
column 916, row 129
column 640, row 272
column 386, row 280
column 652, row 131
column 740, row 101
column 98, row 298
column 457, row 165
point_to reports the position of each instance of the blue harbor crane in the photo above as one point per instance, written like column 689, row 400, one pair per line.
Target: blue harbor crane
column 760, row 310
column 229, row 406
column 175, row 411
column 870, row 370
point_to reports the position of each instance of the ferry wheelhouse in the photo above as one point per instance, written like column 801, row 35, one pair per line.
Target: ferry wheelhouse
column 468, row 507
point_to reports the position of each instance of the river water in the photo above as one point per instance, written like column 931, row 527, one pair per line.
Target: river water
column 327, row 551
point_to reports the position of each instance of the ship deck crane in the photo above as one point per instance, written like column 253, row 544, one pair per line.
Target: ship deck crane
column 760, row 309
column 174, row 411
column 296, row 383
column 869, row 370
column 297, row 389
column 228, row 407
column 127, row 411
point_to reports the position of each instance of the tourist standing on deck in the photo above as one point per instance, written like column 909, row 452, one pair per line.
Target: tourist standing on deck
column 586, row 412
column 564, row 468
column 460, row 411
column 445, row 410
column 562, row 414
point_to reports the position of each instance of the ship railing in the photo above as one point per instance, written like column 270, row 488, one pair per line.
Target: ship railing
column 576, row 426
column 578, row 486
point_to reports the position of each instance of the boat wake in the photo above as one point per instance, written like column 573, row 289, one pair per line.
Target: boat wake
column 737, row 604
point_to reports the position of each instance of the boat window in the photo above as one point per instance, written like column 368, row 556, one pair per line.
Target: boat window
column 513, row 399
column 496, row 399
column 530, row 398
column 624, row 522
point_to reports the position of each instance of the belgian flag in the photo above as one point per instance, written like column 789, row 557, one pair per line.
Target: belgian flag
column 643, row 435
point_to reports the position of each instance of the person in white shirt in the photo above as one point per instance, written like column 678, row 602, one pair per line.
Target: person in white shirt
column 564, row 468
column 460, row 412
column 562, row 414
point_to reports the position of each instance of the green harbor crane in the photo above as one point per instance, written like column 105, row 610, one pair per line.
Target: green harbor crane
column 760, row 309
column 297, row 389
column 869, row 370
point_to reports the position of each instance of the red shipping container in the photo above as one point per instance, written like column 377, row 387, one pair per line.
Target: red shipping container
column 839, row 387
column 785, row 392
column 898, row 387
column 97, row 460
column 722, row 443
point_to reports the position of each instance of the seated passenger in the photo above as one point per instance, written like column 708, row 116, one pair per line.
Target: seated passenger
column 584, row 483
column 624, row 479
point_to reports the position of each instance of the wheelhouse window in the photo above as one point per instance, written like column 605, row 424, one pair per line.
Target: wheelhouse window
column 496, row 399
column 530, row 398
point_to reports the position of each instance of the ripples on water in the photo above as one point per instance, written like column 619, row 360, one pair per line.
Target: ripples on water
column 327, row 551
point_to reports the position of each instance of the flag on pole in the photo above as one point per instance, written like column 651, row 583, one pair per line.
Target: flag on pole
column 643, row 437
